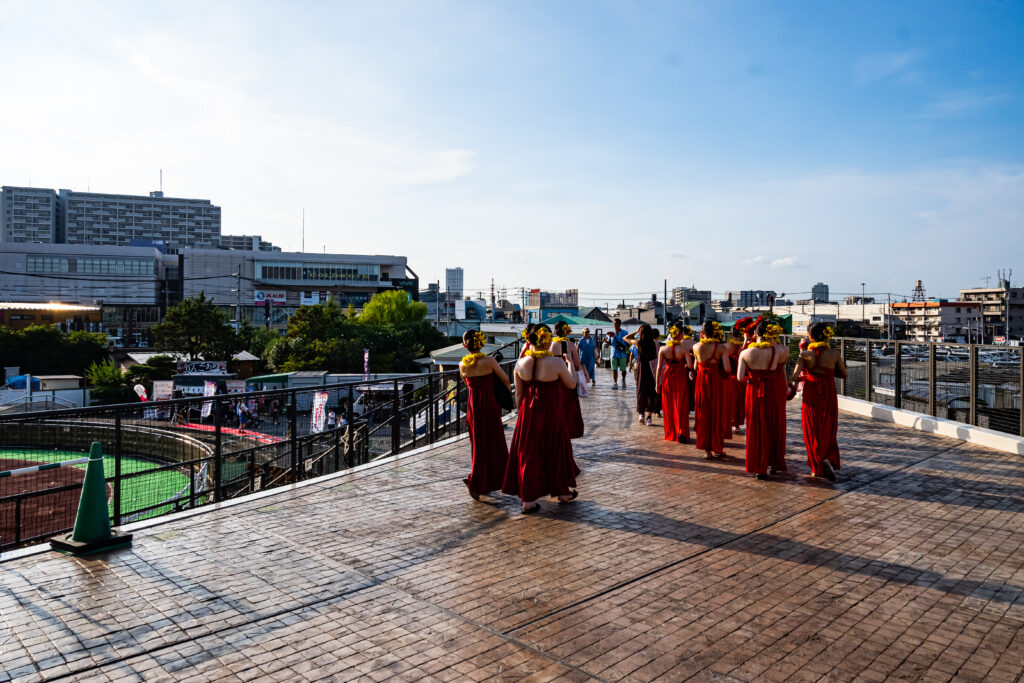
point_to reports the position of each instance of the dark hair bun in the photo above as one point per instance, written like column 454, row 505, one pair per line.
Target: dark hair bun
column 470, row 340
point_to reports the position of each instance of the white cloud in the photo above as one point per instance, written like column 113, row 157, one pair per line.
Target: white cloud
column 954, row 104
column 787, row 262
column 888, row 65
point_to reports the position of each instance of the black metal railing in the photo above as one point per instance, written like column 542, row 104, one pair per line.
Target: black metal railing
column 975, row 384
column 167, row 456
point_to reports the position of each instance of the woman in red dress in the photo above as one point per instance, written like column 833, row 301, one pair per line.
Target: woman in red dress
column 541, row 462
column 740, row 337
column 483, row 416
column 674, row 365
column 709, row 395
column 526, row 339
column 818, row 368
column 566, row 349
column 758, row 368
column 730, row 387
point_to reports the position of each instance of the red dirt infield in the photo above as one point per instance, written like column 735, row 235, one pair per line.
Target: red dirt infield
column 42, row 515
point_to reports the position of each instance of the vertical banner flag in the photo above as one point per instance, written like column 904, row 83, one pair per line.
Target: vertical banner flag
column 209, row 389
column 366, row 364
column 319, row 414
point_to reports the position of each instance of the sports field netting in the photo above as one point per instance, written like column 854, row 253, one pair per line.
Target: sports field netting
column 137, row 492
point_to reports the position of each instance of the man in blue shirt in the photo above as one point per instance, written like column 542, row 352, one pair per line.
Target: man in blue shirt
column 586, row 347
column 620, row 353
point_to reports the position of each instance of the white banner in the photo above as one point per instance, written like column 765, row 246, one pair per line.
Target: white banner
column 319, row 415
column 209, row 389
column 276, row 298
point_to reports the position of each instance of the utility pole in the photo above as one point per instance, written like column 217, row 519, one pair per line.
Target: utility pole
column 1006, row 300
column 437, row 306
column 238, row 298
column 492, row 299
column 888, row 314
column 863, row 317
column 664, row 304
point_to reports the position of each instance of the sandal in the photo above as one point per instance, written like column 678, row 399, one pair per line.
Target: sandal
column 571, row 498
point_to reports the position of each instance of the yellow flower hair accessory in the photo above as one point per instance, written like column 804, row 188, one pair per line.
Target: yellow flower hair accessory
column 525, row 334
column 829, row 332
column 773, row 332
column 543, row 337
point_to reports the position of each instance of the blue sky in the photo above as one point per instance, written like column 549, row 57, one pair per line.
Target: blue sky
column 602, row 146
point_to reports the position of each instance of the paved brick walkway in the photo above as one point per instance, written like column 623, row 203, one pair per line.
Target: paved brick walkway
column 668, row 566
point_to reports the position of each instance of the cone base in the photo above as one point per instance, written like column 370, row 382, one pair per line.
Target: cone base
column 65, row 544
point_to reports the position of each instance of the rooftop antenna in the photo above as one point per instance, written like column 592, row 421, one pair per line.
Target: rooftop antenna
column 918, row 292
column 161, row 181
column 303, row 230
column 986, row 278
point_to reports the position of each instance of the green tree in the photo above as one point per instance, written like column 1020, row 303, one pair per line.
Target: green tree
column 45, row 350
column 108, row 383
column 196, row 327
column 392, row 307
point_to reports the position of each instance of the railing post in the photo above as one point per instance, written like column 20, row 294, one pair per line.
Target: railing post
column 337, row 447
column 17, row 520
column 350, row 428
column 1020, row 388
column 217, row 451
column 117, row 469
column 458, row 409
column 931, row 379
column 396, row 427
column 897, row 400
column 867, row 371
column 433, row 408
column 293, row 427
column 842, row 354
column 972, row 411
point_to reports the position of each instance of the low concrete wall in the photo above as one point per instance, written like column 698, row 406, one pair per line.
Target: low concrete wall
column 1007, row 443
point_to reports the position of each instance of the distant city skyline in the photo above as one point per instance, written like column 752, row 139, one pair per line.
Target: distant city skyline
column 598, row 146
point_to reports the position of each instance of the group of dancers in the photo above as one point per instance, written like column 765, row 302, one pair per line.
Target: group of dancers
column 733, row 386
column 741, row 385
column 539, row 461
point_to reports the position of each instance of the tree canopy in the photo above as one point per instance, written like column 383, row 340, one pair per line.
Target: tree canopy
column 196, row 327
column 393, row 307
column 46, row 350
column 325, row 337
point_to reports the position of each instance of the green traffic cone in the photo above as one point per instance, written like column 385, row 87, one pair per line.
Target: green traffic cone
column 92, row 530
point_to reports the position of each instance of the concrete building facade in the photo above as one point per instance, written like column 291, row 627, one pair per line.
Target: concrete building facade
column 453, row 283
column 118, row 219
column 819, row 292
column 28, row 214
column 997, row 303
column 246, row 243
column 281, row 282
column 685, row 295
column 939, row 320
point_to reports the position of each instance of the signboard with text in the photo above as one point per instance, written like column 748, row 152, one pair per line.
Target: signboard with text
column 275, row 297
column 202, row 367
column 318, row 416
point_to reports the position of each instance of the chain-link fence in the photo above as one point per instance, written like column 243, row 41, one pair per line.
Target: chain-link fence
column 167, row 456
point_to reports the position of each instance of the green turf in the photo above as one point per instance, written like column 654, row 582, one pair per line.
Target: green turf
column 136, row 492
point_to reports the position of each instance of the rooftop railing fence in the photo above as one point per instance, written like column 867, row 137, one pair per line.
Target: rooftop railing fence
column 167, row 456
column 975, row 384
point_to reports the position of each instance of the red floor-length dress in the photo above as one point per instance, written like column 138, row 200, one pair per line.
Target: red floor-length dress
column 486, row 436
column 709, row 410
column 781, row 392
column 729, row 389
column 819, row 415
column 739, row 393
column 540, row 458
column 762, row 407
column 573, row 412
column 675, row 400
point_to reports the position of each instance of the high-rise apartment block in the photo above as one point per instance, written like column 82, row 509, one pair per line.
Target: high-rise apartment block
column 819, row 292
column 33, row 214
column 28, row 214
column 686, row 295
column 453, row 282
column 118, row 219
